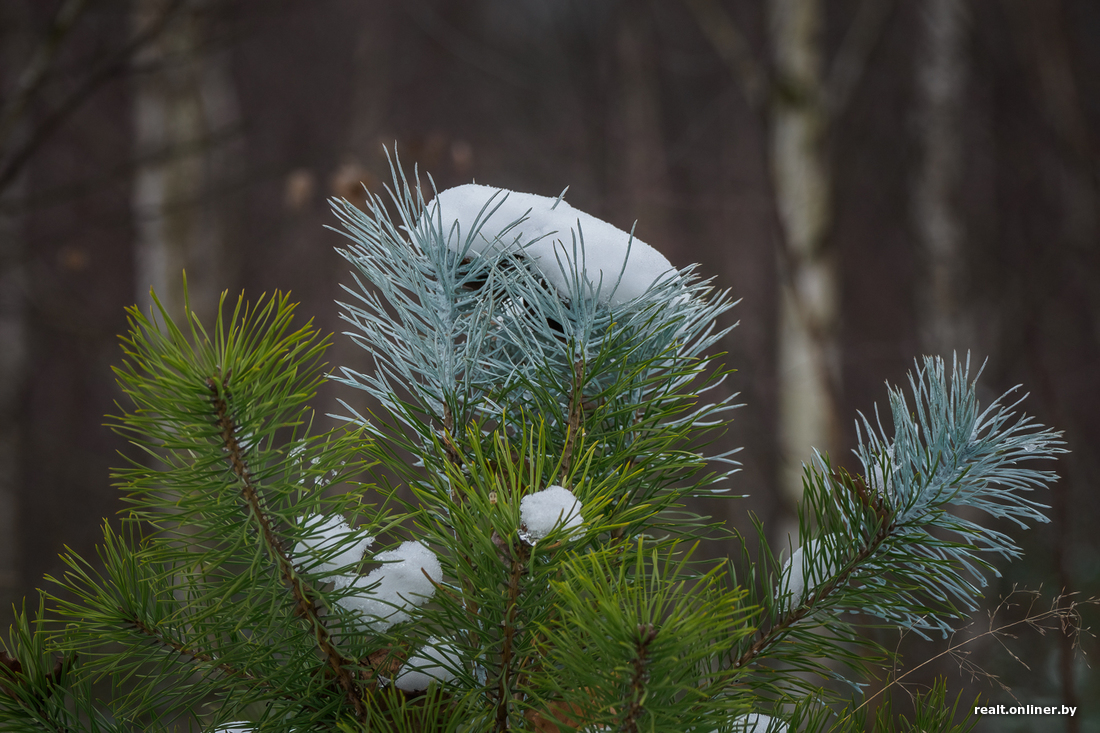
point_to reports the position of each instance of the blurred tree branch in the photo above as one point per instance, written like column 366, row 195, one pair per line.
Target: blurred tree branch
column 16, row 158
column 30, row 81
column 851, row 59
column 730, row 43
column 758, row 86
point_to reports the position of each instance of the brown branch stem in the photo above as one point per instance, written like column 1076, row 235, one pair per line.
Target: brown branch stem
column 640, row 674
column 576, row 419
column 184, row 650
column 519, row 556
column 306, row 605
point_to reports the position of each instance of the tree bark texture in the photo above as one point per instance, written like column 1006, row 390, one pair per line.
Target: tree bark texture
column 808, row 358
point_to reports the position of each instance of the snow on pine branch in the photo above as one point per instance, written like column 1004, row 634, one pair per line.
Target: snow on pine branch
column 544, row 511
column 384, row 596
column 329, row 544
column 557, row 238
column 436, row 661
column 459, row 299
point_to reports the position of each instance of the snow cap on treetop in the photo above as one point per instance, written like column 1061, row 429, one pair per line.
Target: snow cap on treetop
column 543, row 511
column 546, row 237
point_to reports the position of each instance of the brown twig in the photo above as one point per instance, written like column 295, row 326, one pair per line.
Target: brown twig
column 1067, row 616
column 453, row 454
column 306, row 606
column 576, row 419
column 638, row 678
column 519, row 556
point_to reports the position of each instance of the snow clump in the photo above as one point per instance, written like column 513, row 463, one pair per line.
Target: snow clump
column 317, row 550
column 435, row 661
column 546, row 237
column 794, row 586
column 757, row 723
column 407, row 579
column 543, row 511
column 884, row 485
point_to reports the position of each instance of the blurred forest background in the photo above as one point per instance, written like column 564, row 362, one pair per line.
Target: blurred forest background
column 876, row 179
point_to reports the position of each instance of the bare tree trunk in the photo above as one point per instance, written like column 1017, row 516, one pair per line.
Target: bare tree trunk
column 185, row 112
column 13, row 327
column 1045, row 46
column 808, row 358
column 368, row 138
column 13, row 374
column 372, row 88
column 941, row 72
column 941, row 83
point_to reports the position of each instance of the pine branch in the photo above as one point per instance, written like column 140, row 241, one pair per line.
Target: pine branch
column 520, row 601
column 184, row 650
column 775, row 633
column 34, row 701
column 304, row 600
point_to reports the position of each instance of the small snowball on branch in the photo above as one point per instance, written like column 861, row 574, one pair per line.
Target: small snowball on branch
column 545, row 510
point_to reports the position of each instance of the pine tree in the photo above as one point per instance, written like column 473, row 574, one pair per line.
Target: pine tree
column 512, row 551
